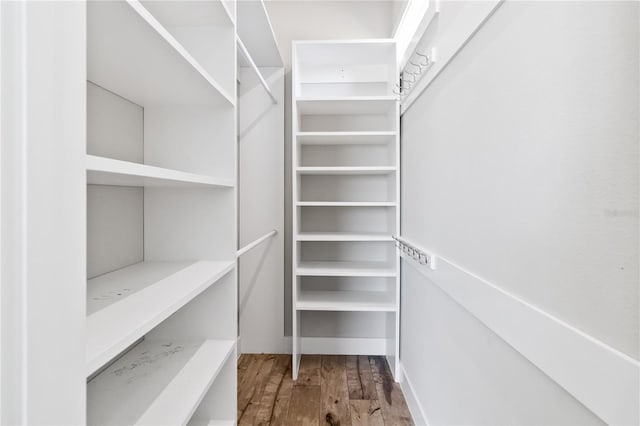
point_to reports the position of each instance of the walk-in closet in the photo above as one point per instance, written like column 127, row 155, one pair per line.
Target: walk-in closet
column 319, row 212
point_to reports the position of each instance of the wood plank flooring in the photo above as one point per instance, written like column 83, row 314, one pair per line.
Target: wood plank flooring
column 331, row 390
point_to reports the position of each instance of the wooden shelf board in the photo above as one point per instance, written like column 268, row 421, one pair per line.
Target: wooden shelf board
column 343, row 236
column 346, row 204
column 107, row 171
column 130, row 53
column 355, row 301
column 156, row 382
column 351, row 105
column 345, row 138
column 125, row 304
column 376, row 170
column 345, row 269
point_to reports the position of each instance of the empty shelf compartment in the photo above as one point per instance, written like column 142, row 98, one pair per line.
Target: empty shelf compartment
column 156, row 382
column 124, row 305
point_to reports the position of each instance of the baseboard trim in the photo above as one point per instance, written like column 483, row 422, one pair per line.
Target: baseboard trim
column 410, row 396
column 342, row 346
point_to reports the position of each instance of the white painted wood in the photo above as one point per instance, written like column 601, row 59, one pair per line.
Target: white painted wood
column 377, row 170
column 158, row 69
column 352, row 105
column 368, row 301
column 158, row 382
column 245, row 53
column 115, row 228
column 220, row 402
column 339, row 138
column 345, row 269
column 194, row 139
column 342, row 346
column 343, row 236
column 189, row 223
column 116, row 326
column 345, row 204
column 345, row 157
column 256, row 32
column 106, row 171
column 114, row 126
column 42, row 202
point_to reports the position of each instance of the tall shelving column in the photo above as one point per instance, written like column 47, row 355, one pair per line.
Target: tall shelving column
column 345, row 163
column 161, row 212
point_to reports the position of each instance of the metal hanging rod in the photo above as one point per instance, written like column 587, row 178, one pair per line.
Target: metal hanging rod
column 256, row 243
column 243, row 50
column 413, row 252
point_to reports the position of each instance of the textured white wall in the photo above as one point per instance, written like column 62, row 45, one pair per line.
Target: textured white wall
column 520, row 163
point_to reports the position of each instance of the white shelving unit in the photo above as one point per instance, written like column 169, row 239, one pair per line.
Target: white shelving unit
column 346, row 199
column 161, row 212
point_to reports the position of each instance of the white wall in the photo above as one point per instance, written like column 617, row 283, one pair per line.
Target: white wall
column 261, row 210
column 42, row 200
column 520, row 163
column 319, row 20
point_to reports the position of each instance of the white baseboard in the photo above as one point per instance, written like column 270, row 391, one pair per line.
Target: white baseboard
column 342, row 346
column 410, row 396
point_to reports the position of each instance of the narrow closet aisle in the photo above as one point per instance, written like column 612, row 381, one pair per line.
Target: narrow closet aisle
column 330, row 389
column 319, row 212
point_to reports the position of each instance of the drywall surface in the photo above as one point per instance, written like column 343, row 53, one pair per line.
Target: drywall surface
column 319, row 20
column 520, row 164
column 261, row 210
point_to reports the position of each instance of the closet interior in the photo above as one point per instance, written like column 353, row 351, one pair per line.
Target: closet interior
column 345, row 170
column 161, row 212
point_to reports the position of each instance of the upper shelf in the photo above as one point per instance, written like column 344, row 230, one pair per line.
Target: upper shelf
column 119, row 309
column 130, row 53
column 346, row 105
column 107, row 171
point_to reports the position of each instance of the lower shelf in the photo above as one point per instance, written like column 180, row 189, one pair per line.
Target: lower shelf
column 156, row 383
column 356, row 301
column 345, row 269
column 125, row 304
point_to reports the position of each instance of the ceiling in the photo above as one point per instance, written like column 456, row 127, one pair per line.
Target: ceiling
column 331, row 19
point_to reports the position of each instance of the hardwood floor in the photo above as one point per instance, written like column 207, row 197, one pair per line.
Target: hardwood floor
column 330, row 390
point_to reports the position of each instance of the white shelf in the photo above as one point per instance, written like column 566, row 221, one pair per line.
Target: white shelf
column 377, row 170
column 346, row 204
column 355, row 301
column 345, row 269
column 124, row 305
column 345, row 138
column 352, row 105
column 343, row 236
column 157, row 382
column 129, row 52
column 107, row 171
column 221, row 423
